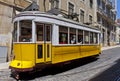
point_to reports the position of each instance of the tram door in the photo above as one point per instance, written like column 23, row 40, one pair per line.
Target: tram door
column 43, row 44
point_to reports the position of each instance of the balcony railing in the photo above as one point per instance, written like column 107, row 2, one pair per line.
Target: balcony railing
column 104, row 13
column 101, row 11
column 109, row 3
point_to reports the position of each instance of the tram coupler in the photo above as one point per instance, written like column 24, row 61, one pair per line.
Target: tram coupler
column 15, row 75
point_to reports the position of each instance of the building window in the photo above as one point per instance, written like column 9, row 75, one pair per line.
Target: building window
column 82, row 16
column 103, row 6
column 99, row 2
column 104, row 22
column 54, row 3
column 72, row 36
column 91, row 3
column 114, row 17
column 70, row 8
column 90, row 19
column 98, row 19
column 63, row 35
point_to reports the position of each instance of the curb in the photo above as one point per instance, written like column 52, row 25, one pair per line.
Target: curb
column 110, row 47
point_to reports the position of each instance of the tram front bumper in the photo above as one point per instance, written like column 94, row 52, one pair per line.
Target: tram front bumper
column 21, row 66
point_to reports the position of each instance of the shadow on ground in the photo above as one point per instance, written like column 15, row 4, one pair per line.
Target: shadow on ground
column 56, row 69
column 111, row 74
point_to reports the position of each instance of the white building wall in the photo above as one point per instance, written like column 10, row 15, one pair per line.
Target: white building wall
column 118, row 35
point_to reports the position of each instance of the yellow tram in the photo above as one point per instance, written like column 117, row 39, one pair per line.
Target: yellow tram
column 40, row 39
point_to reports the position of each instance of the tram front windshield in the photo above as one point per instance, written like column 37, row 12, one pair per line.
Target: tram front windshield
column 23, row 31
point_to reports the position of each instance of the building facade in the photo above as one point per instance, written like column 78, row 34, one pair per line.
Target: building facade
column 106, row 16
column 85, row 9
column 97, row 13
column 7, row 12
column 118, row 32
column 8, row 9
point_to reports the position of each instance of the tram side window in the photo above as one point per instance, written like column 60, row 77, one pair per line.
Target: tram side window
column 15, row 32
column 63, row 35
column 25, row 31
column 95, row 38
column 86, row 37
column 91, row 38
column 48, row 32
column 80, row 36
column 39, row 32
column 72, row 36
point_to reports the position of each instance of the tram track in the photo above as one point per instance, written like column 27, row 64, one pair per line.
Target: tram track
column 100, row 67
column 86, row 70
column 117, row 78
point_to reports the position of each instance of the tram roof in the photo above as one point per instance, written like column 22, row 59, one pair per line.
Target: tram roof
column 43, row 14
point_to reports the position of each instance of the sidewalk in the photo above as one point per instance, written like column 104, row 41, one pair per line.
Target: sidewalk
column 6, row 65
column 109, row 47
